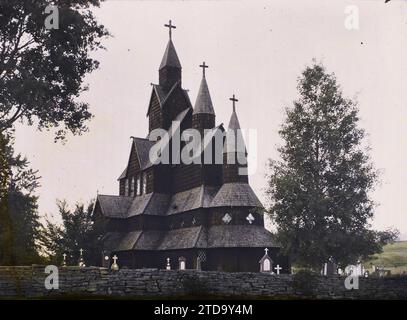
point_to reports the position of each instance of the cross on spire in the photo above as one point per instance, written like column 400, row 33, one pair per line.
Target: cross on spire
column 234, row 100
column 170, row 26
column 203, row 66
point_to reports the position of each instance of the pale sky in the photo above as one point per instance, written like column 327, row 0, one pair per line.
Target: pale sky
column 255, row 49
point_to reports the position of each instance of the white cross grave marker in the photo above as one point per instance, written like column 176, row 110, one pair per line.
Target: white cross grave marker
column 64, row 261
column 278, row 268
column 81, row 262
column 115, row 266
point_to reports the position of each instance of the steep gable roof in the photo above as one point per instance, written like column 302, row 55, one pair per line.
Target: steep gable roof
column 163, row 97
column 142, row 148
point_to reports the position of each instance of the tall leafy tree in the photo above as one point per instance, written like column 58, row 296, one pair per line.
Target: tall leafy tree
column 42, row 67
column 319, row 190
column 19, row 221
column 78, row 231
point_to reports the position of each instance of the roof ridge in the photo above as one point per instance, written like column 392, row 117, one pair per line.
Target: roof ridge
column 112, row 195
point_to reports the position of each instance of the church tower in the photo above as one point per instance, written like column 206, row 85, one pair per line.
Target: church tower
column 234, row 152
column 168, row 98
column 203, row 116
column 170, row 67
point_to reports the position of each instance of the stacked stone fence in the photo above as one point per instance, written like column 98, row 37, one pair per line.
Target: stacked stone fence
column 29, row 282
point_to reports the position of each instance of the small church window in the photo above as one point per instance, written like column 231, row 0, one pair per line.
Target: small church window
column 134, row 186
column 138, row 185
column 250, row 218
column 126, row 187
column 131, row 186
column 144, row 182
column 227, row 218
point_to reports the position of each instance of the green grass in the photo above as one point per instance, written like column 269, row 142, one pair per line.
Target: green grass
column 393, row 257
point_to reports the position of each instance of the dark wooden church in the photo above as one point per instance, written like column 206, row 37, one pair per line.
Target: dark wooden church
column 193, row 216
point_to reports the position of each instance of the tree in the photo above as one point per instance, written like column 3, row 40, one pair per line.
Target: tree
column 78, row 231
column 42, row 69
column 19, row 224
column 319, row 190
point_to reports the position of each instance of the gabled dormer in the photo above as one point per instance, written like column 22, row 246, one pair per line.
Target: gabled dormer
column 137, row 178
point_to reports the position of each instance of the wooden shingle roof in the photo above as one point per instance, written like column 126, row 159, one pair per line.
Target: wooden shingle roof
column 114, row 206
column 236, row 194
column 218, row 236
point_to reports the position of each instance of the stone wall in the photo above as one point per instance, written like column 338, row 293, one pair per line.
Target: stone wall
column 76, row 282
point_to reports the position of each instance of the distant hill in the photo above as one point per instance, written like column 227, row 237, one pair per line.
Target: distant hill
column 393, row 257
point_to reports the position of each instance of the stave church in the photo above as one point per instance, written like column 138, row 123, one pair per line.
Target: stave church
column 185, row 216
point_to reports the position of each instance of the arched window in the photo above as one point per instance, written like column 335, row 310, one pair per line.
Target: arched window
column 138, row 185
column 134, row 186
column 144, row 181
column 126, row 187
column 266, row 265
column 131, row 186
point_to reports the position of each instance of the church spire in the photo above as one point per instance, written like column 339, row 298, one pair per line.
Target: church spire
column 234, row 135
column 234, row 151
column 203, row 102
column 234, row 121
column 203, row 116
column 170, row 67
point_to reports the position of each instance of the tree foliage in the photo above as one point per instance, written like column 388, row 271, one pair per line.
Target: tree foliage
column 42, row 70
column 320, row 189
column 19, row 220
column 77, row 231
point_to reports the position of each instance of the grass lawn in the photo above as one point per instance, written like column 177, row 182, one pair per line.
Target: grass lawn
column 393, row 257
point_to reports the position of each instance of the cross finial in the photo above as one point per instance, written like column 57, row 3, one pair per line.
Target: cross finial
column 203, row 66
column 170, row 26
column 234, row 100
column 266, row 250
